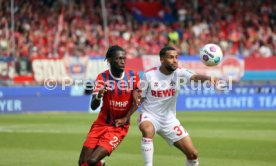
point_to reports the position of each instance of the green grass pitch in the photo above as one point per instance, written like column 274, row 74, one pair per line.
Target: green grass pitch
column 222, row 138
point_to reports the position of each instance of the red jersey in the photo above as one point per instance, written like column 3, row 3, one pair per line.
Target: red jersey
column 118, row 98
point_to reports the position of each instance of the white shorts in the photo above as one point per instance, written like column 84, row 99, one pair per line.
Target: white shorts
column 172, row 131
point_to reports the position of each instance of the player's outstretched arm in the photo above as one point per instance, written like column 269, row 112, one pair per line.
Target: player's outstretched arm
column 203, row 78
column 198, row 77
column 96, row 99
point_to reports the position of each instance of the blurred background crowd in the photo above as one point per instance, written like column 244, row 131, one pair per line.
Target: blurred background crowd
column 58, row 28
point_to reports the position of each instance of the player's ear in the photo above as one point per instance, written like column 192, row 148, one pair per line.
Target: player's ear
column 109, row 60
column 162, row 59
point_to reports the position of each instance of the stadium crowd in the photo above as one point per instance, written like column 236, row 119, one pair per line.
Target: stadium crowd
column 48, row 28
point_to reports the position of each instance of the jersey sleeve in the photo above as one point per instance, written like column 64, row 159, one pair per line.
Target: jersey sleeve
column 144, row 85
column 99, row 84
column 187, row 74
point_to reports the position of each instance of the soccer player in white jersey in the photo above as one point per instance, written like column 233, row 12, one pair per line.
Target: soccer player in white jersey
column 158, row 113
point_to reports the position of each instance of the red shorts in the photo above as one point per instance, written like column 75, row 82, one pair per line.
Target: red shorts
column 108, row 137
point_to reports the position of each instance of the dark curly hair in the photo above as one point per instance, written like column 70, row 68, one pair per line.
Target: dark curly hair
column 112, row 50
column 163, row 51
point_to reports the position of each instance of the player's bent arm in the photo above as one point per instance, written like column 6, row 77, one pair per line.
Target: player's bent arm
column 136, row 94
column 95, row 102
column 96, row 98
column 133, row 108
column 122, row 121
column 198, row 77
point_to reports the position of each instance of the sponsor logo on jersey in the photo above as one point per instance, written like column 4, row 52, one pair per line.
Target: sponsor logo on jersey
column 118, row 103
column 163, row 93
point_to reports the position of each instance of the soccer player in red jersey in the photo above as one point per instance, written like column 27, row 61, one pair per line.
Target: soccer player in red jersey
column 117, row 88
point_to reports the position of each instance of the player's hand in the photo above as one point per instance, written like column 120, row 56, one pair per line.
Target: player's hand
column 121, row 121
column 102, row 92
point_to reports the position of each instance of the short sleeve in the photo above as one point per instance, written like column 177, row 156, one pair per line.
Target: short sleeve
column 144, row 85
column 187, row 74
column 99, row 84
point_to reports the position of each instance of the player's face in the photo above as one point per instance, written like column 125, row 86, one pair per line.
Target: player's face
column 118, row 61
column 170, row 60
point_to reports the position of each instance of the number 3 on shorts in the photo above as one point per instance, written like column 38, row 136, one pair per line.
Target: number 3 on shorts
column 178, row 130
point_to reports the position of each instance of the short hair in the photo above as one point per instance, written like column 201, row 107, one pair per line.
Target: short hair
column 163, row 51
column 111, row 51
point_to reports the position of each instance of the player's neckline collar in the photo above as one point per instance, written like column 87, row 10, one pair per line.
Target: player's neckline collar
column 163, row 73
column 116, row 78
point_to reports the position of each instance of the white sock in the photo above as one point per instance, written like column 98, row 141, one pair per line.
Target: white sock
column 192, row 162
column 147, row 150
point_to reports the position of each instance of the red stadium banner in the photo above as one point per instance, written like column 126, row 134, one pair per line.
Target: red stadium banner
column 75, row 68
column 254, row 63
column 24, row 79
column 147, row 9
column 135, row 64
column 88, row 68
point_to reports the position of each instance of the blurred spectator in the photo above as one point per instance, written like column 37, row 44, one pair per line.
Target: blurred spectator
column 23, row 65
column 48, row 28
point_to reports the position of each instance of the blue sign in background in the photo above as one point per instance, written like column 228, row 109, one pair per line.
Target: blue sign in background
column 44, row 103
column 38, row 99
column 227, row 102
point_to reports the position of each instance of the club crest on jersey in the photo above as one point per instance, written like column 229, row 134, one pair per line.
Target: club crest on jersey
column 172, row 83
column 156, row 84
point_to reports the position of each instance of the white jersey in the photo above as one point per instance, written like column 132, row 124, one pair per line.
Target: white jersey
column 161, row 91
